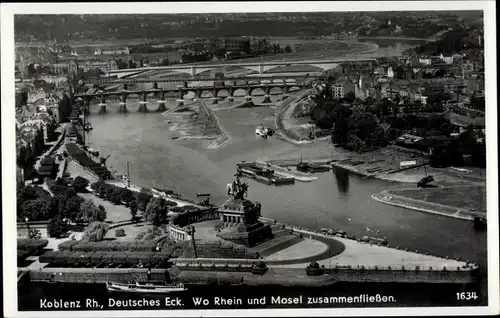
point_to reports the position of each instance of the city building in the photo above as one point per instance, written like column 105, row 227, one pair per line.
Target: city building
column 124, row 51
column 237, row 45
column 448, row 59
column 425, row 60
column 103, row 66
column 390, row 73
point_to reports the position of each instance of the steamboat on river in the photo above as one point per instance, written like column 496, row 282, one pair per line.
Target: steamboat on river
column 150, row 287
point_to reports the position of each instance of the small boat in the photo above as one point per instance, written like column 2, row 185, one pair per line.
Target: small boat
column 145, row 287
column 261, row 131
column 479, row 223
column 264, row 132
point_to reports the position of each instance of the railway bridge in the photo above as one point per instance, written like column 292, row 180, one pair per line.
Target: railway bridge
column 161, row 94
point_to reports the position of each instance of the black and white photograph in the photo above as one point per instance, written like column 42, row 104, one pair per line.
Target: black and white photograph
column 249, row 158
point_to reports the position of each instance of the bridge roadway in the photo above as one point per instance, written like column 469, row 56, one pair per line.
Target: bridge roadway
column 259, row 67
column 163, row 79
column 196, row 89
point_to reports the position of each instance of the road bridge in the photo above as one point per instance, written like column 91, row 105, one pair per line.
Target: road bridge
column 180, row 92
column 261, row 67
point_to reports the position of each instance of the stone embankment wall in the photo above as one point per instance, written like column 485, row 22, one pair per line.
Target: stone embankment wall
column 398, row 276
column 95, row 275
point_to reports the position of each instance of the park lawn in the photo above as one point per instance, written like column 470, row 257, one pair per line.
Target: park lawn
column 114, row 213
column 473, row 197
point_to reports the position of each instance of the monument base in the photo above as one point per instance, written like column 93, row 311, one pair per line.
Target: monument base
column 248, row 235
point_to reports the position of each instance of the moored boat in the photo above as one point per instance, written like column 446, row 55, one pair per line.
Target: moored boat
column 145, row 287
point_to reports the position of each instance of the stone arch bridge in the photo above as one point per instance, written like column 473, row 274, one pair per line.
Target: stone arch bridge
column 198, row 91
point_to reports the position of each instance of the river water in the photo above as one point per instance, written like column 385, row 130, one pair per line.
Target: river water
column 337, row 199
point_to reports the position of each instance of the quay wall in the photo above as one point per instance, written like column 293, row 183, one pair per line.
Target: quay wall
column 94, row 275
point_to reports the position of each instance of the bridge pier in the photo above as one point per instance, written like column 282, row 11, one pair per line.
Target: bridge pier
column 267, row 97
column 248, row 98
column 180, row 102
column 123, row 108
column 161, row 106
column 155, row 85
column 161, row 102
column 285, row 96
column 102, row 109
column 102, row 105
column 215, row 101
column 143, row 103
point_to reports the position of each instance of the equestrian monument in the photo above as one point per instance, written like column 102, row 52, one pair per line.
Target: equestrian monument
column 239, row 217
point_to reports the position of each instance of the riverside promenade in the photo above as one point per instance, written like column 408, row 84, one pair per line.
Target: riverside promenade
column 455, row 202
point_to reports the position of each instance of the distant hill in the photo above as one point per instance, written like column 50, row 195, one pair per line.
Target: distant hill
column 33, row 28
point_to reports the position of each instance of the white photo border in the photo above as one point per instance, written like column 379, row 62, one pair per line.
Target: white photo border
column 8, row 143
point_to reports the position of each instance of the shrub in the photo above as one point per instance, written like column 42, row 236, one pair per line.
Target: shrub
column 57, row 227
column 80, row 184
column 67, row 245
column 31, row 245
column 314, row 269
column 95, row 232
column 120, row 232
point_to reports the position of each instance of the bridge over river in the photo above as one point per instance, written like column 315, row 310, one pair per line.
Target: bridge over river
column 261, row 67
column 181, row 91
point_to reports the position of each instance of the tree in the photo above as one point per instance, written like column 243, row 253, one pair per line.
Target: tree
column 350, row 97
column 142, row 198
column 341, row 129
column 57, row 227
column 156, row 211
column 288, row 48
column 134, row 207
column 80, row 184
column 90, row 212
column 95, row 232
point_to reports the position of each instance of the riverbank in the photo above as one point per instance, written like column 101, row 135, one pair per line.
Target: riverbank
column 458, row 202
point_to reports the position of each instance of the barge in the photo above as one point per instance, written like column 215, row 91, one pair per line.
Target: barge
column 262, row 174
column 305, row 166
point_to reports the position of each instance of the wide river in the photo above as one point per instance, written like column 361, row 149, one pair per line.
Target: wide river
column 337, row 199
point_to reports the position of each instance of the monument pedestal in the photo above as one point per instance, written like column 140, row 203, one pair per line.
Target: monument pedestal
column 239, row 218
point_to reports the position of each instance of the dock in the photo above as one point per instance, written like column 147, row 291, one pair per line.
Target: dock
column 263, row 173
